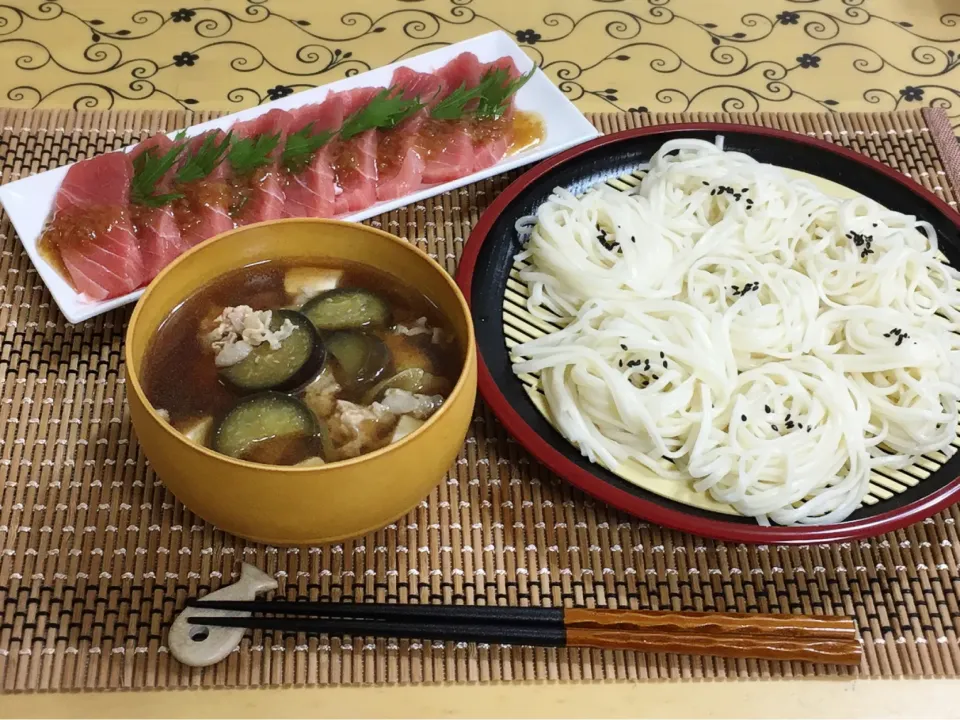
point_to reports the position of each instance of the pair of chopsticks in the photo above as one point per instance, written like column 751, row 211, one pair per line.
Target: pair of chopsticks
column 811, row 638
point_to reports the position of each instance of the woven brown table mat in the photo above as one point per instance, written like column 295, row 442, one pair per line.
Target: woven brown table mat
column 97, row 557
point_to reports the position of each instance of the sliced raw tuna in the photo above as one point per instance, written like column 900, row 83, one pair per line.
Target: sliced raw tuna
column 463, row 71
column 204, row 210
column 102, row 180
column 311, row 192
column 91, row 227
column 445, row 145
column 446, row 149
column 400, row 163
column 158, row 234
column 426, row 86
column 258, row 195
column 491, row 138
column 355, row 160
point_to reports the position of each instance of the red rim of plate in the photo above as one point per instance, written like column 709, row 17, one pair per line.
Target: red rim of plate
column 648, row 509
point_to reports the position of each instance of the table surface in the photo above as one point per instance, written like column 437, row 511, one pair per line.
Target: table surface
column 661, row 55
column 657, row 55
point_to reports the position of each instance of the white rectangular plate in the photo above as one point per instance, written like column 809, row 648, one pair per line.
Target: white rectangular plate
column 28, row 202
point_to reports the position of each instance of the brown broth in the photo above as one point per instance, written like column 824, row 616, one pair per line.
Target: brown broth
column 179, row 374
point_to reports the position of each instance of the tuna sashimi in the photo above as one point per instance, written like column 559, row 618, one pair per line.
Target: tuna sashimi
column 426, row 86
column 158, row 234
column 491, row 138
column 446, row 149
column 464, row 70
column 400, row 163
column 355, row 160
column 355, row 172
column 445, row 145
column 311, row 191
column 91, row 228
column 204, row 210
column 258, row 194
column 102, row 180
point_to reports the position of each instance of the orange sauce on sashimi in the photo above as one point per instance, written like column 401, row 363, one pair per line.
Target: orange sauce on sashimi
column 526, row 131
column 77, row 227
column 434, row 136
column 243, row 188
column 346, row 164
column 196, row 196
column 390, row 152
column 523, row 129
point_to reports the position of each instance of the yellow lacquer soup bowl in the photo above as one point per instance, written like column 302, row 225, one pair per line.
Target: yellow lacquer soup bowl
column 301, row 505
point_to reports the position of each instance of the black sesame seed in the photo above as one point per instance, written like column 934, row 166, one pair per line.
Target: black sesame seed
column 656, row 377
column 661, row 354
column 743, row 417
column 664, row 363
column 622, row 346
column 776, row 429
column 787, row 417
column 713, row 192
column 705, row 182
column 745, row 190
column 800, row 425
column 767, row 408
column 789, row 425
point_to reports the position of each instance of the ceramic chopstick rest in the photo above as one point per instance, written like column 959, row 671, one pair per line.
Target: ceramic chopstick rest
column 201, row 645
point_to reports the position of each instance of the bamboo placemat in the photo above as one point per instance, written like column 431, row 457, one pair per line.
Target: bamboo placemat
column 97, row 557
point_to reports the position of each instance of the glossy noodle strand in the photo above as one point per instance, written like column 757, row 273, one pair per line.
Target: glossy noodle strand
column 774, row 342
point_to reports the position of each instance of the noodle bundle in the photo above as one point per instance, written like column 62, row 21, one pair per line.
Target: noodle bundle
column 775, row 343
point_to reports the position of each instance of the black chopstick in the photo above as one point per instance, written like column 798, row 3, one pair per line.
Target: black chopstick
column 550, row 617
column 746, row 644
column 507, row 634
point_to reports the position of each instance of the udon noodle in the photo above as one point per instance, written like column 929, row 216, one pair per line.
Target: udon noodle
column 774, row 342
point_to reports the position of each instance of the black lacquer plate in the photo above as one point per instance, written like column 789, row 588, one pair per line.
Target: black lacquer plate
column 488, row 258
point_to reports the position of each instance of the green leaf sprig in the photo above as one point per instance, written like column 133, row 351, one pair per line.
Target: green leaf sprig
column 497, row 91
column 248, row 154
column 386, row 110
column 149, row 168
column 492, row 94
column 202, row 161
column 301, row 145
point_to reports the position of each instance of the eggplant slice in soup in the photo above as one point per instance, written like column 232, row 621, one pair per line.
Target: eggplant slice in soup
column 361, row 358
column 269, row 428
column 288, row 367
column 347, row 308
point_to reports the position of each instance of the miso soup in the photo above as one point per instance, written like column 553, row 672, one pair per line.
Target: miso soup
column 301, row 362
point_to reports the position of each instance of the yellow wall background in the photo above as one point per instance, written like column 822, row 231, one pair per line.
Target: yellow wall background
column 662, row 55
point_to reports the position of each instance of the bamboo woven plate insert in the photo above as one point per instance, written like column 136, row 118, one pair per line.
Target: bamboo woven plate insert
column 97, row 557
column 521, row 326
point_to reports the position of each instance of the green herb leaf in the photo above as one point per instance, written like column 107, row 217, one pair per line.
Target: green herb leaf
column 202, row 161
column 149, row 168
column 247, row 154
column 301, row 146
column 387, row 109
column 496, row 92
column 454, row 105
